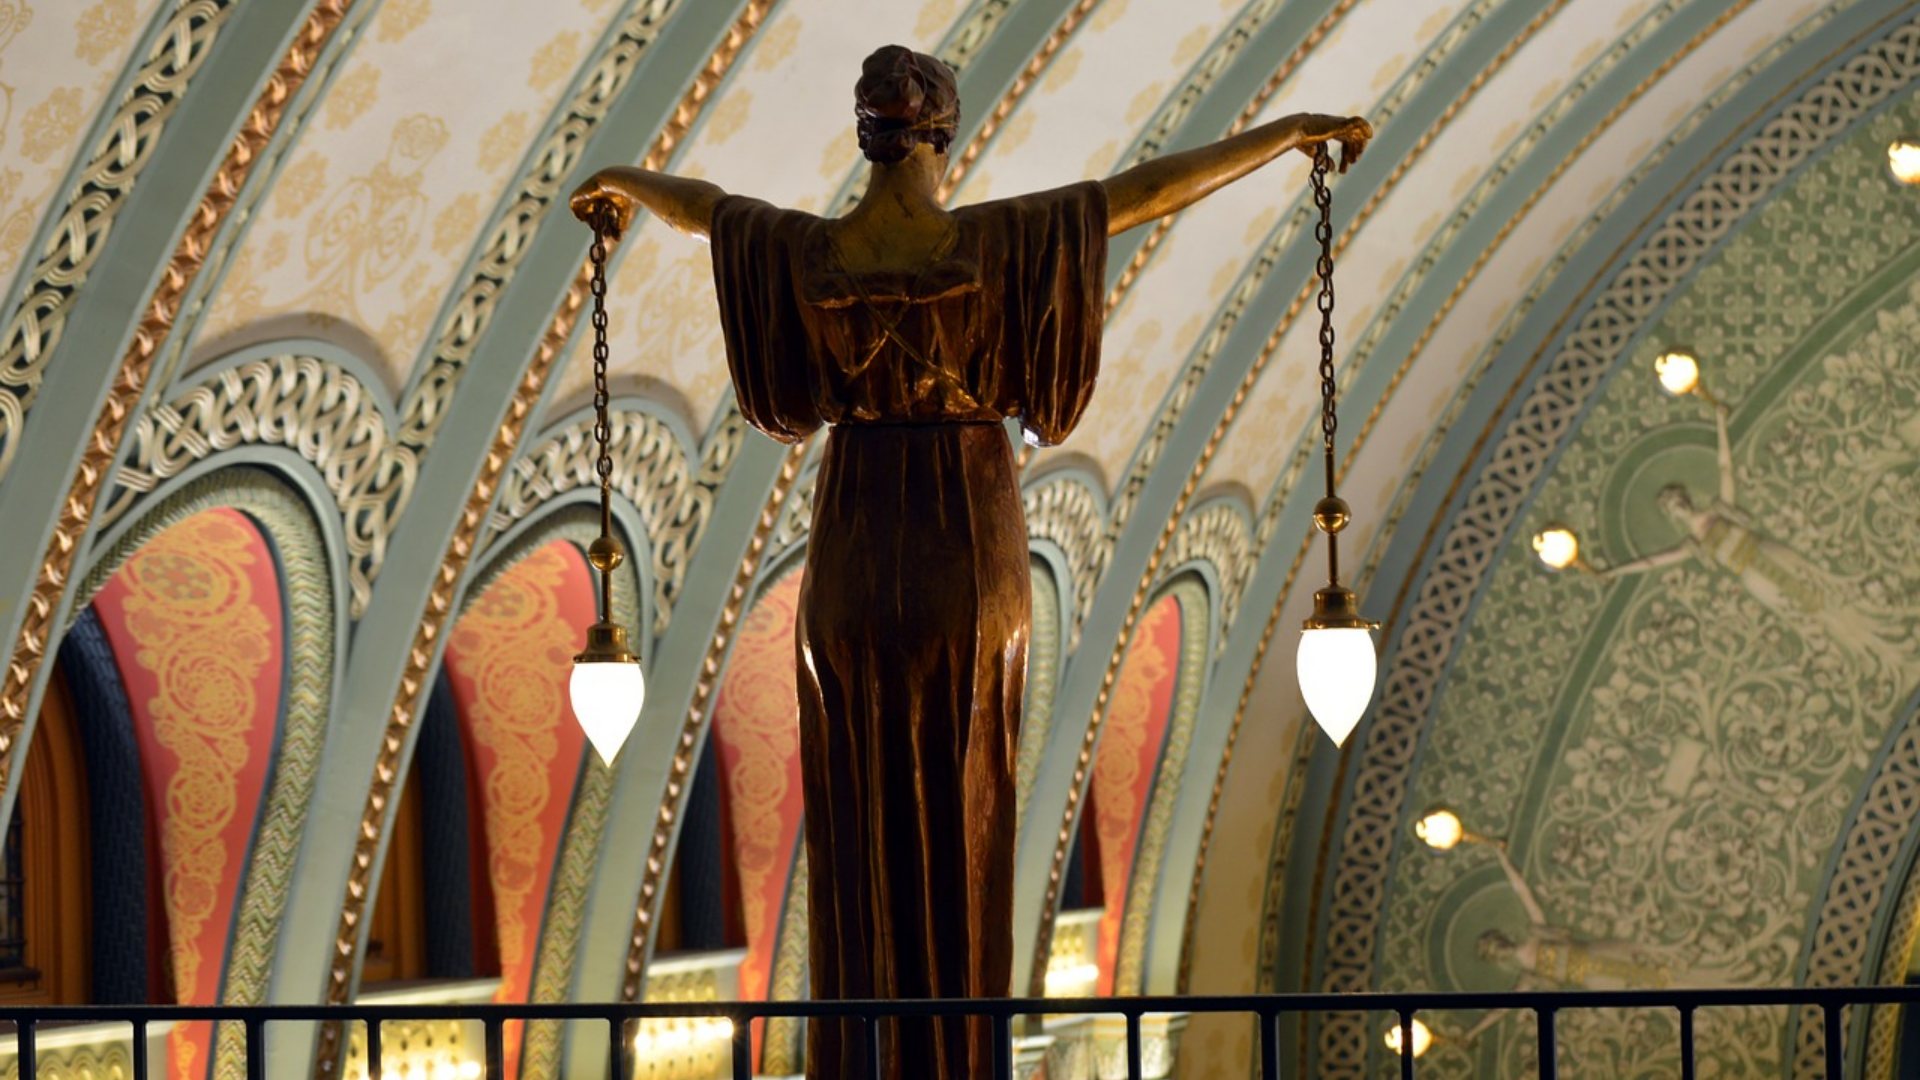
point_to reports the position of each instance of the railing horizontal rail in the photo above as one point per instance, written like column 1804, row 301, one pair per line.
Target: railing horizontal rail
column 1266, row 1009
column 850, row 1008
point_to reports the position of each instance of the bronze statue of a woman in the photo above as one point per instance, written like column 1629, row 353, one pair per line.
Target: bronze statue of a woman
column 914, row 331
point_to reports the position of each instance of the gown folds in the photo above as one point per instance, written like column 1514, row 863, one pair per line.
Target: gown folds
column 913, row 619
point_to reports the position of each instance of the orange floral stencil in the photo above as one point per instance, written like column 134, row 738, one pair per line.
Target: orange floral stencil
column 1123, row 772
column 195, row 621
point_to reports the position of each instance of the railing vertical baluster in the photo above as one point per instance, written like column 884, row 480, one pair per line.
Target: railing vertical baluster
column 1002, row 1047
column 1406, row 1044
column 256, row 1037
column 1549, row 1064
column 139, row 1050
column 1269, row 1046
column 24, row 1050
column 1836, row 1056
column 496, row 1050
column 1686, row 1043
column 871, row 1025
column 618, row 1067
column 742, row 1048
column 1136, row 1067
column 375, row 1070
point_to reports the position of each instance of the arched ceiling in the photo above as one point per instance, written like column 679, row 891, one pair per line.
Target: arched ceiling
column 380, row 297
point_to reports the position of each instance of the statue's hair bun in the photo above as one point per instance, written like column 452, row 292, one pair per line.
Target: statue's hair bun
column 904, row 98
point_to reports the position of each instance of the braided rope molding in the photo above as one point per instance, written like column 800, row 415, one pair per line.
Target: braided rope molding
column 1175, row 111
column 1129, row 493
column 1282, row 845
column 1068, row 512
column 124, row 393
column 383, row 492
column 479, row 505
column 704, row 691
column 1043, row 681
column 1306, row 450
column 1220, row 535
column 567, row 889
column 1037, row 65
column 308, row 588
column 783, row 1050
column 650, row 469
column 1518, row 461
column 1896, row 952
column 73, row 238
column 1137, row 920
column 1147, row 458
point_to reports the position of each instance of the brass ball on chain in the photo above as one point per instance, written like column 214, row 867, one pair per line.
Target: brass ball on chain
column 1330, row 514
column 605, row 553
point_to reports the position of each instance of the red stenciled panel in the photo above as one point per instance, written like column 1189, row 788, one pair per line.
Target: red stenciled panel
column 756, row 726
column 196, row 625
column 508, row 660
column 1123, row 772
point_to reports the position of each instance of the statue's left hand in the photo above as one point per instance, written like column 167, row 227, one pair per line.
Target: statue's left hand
column 603, row 193
column 1351, row 132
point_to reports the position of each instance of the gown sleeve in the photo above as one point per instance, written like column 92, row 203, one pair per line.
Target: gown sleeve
column 756, row 273
column 1055, row 262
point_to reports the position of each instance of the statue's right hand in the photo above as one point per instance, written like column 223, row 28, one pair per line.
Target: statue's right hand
column 602, row 193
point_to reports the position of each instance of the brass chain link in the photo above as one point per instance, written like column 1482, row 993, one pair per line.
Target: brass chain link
column 602, row 424
column 1323, row 201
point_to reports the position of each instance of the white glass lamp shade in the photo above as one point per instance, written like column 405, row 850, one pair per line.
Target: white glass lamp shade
column 607, row 695
column 1336, row 668
column 1903, row 157
column 1678, row 372
column 1440, row 829
column 1422, row 1038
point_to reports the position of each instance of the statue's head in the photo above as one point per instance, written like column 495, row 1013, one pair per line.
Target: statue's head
column 903, row 99
column 1495, row 947
column 1674, row 501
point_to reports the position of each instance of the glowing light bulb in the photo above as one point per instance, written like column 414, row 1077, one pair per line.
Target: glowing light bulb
column 1557, row 547
column 470, row 1070
column 1903, row 157
column 1678, row 371
column 607, row 695
column 1440, row 829
column 1422, row 1038
column 1336, row 666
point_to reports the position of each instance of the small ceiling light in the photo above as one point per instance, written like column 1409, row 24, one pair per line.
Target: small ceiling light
column 1678, row 370
column 1422, row 1038
column 1903, row 157
column 1557, row 547
column 607, row 687
column 1336, row 663
column 1440, row 829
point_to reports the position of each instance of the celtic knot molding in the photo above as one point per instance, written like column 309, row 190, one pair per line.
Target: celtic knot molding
column 1516, row 463
column 315, row 407
column 1217, row 534
column 1067, row 512
column 382, row 493
column 650, row 468
column 75, row 237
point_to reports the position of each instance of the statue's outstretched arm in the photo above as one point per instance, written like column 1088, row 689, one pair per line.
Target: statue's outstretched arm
column 1154, row 189
column 685, row 204
column 1520, row 888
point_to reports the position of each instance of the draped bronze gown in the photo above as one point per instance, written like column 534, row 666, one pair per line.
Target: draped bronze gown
column 913, row 619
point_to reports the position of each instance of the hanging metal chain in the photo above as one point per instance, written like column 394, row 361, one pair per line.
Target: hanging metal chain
column 1323, row 200
column 602, row 424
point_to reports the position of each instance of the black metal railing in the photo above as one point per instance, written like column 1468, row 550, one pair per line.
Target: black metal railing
column 1269, row 1010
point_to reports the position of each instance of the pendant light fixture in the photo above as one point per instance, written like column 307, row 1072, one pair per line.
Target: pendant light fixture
column 1336, row 662
column 607, row 687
